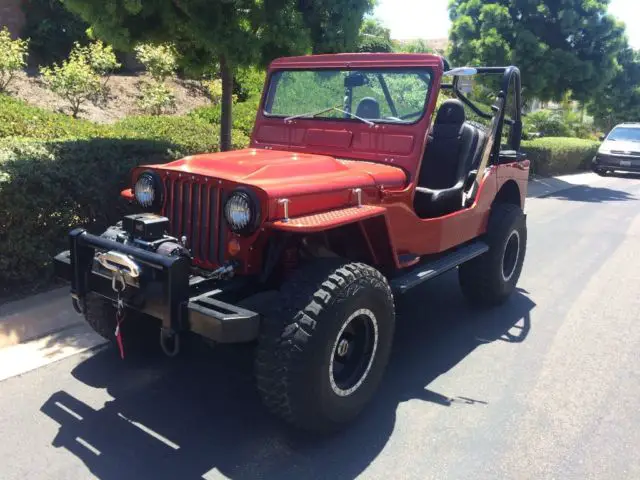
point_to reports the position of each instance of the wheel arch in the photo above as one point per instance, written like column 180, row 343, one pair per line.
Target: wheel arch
column 509, row 193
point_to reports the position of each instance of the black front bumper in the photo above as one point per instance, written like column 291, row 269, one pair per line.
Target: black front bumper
column 165, row 289
column 621, row 163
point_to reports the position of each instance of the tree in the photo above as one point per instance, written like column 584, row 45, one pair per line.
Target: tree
column 13, row 55
column 233, row 33
column 374, row 37
column 558, row 45
column 414, row 46
column 78, row 79
column 620, row 99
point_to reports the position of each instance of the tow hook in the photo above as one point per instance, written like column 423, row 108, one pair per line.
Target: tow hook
column 76, row 305
column 169, row 342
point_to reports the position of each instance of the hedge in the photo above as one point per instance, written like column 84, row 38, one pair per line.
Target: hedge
column 559, row 155
column 57, row 173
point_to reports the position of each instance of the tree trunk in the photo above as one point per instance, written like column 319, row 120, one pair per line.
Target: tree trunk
column 227, row 101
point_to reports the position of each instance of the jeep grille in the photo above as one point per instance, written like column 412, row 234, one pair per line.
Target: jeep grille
column 193, row 209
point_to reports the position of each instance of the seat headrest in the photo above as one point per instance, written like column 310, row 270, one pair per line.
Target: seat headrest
column 368, row 108
column 451, row 112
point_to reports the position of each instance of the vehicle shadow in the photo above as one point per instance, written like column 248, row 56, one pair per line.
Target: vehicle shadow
column 199, row 413
column 588, row 194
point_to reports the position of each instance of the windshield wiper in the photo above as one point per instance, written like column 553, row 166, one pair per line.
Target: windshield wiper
column 313, row 114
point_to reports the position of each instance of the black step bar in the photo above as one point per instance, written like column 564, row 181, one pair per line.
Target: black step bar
column 432, row 268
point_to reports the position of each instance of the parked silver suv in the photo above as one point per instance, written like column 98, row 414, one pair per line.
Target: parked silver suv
column 620, row 150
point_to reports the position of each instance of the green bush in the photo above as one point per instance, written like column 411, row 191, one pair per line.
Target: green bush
column 57, row 173
column 187, row 135
column 13, row 57
column 46, row 188
column 244, row 115
column 558, row 155
column 552, row 123
column 17, row 119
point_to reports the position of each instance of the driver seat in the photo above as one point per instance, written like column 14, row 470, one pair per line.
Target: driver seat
column 451, row 149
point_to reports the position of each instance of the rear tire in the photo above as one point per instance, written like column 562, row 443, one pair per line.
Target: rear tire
column 491, row 278
column 138, row 330
column 325, row 345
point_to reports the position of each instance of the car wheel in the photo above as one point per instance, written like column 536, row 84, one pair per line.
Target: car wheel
column 324, row 346
column 491, row 278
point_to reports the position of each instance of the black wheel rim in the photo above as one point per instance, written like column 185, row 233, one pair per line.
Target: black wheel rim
column 353, row 352
column 511, row 255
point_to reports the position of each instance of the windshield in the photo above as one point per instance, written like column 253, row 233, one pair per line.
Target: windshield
column 625, row 134
column 378, row 96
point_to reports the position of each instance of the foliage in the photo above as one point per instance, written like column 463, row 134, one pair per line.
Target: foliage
column 244, row 115
column 78, row 79
column 620, row 99
column 46, row 188
column 413, row 46
column 100, row 58
column 235, row 33
column 156, row 98
column 13, row 54
column 249, row 82
column 374, row 37
column 70, row 172
column 74, row 80
column 160, row 61
column 557, row 123
column 559, row 46
column 53, row 30
column 556, row 156
column 17, row 119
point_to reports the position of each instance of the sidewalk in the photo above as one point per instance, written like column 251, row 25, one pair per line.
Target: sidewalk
column 44, row 328
column 541, row 186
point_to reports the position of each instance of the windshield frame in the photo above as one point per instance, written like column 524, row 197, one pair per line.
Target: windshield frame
column 271, row 89
column 626, row 128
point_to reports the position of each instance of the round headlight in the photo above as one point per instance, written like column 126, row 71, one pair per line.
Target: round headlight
column 241, row 212
column 146, row 190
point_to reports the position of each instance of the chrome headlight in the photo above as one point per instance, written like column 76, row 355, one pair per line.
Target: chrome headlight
column 148, row 190
column 241, row 212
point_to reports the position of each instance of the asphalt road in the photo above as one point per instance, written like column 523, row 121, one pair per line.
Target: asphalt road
column 544, row 387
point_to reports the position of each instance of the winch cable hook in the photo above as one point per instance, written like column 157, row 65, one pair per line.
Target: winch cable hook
column 118, row 278
column 168, row 336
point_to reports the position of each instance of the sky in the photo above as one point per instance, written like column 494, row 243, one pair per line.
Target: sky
column 429, row 18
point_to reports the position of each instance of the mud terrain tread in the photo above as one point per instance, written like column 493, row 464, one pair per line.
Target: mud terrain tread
column 478, row 280
column 291, row 323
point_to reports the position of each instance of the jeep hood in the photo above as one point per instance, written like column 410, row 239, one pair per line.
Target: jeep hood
column 282, row 173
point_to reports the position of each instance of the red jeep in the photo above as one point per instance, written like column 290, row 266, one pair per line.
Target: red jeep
column 354, row 190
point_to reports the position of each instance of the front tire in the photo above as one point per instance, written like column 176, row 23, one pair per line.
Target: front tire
column 325, row 346
column 491, row 278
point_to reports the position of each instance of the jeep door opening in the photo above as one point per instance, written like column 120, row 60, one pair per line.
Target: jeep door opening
column 355, row 188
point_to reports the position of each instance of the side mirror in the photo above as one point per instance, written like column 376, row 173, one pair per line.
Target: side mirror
column 602, row 137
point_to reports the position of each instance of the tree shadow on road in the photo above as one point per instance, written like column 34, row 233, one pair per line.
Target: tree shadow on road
column 199, row 413
column 588, row 194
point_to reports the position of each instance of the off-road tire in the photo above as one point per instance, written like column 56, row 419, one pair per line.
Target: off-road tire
column 298, row 342
column 138, row 330
column 482, row 279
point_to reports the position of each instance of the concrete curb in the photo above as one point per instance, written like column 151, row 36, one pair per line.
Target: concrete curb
column 543, row 186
